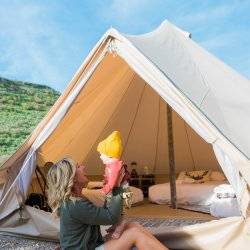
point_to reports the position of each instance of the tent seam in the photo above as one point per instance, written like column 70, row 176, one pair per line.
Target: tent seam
column 137, row 109
column 196, row 66
column 113, row 111
column 189, row 145
column 85, row 122
column 157, row 136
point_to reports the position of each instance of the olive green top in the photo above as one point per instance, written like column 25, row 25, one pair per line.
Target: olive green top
column 80, row 222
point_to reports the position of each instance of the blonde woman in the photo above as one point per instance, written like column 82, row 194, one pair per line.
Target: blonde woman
column 80, row 220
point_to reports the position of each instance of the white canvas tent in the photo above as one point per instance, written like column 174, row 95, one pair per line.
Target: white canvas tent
column 125, row 83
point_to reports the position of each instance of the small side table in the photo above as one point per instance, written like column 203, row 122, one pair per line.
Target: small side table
column 135, row 182
column 143, row 182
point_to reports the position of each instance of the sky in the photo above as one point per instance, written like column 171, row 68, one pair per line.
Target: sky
column 45, row 41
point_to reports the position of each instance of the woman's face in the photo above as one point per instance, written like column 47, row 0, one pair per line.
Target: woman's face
column 80, row 179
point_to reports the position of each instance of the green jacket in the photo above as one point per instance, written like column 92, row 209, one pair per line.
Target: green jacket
column 80, row 222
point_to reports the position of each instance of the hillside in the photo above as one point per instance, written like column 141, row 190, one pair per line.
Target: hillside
column 22, row 106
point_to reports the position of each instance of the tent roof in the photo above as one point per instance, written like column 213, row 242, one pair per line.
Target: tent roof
column 218, row 91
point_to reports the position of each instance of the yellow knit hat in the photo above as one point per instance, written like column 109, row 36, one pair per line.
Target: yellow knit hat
column 111, row 146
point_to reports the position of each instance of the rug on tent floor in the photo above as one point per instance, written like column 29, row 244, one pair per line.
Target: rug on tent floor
column 162, row 222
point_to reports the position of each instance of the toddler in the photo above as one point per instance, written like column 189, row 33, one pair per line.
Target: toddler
column 110, row 151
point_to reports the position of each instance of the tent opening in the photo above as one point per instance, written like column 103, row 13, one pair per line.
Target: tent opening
column 116, row 98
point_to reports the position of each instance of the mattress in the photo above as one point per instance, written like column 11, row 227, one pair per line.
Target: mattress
column 137, row 197
column 200, row 195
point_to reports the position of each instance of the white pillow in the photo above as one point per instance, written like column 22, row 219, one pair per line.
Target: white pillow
column 188, row 180
column 197, row 176
column 181, row 176
column 137, row 195
column 217, row 176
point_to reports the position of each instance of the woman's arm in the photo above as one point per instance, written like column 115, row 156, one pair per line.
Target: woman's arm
column 87, row 213
column 94, row 184
column 96, row 196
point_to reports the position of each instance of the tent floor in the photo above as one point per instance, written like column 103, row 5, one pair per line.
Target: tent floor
column 150, row 210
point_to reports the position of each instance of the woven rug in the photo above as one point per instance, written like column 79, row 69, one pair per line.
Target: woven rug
column 157, row 223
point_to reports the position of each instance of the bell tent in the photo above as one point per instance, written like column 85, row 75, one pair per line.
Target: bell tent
column 128, row 83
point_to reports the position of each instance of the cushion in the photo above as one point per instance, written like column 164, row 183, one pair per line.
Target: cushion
column 181, row 176
column 198, row 176
column 217, row 176
column 224, row 207
column 224, row 191
column 137, row 195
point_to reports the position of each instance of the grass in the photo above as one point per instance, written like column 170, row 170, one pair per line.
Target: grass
column 22, row 106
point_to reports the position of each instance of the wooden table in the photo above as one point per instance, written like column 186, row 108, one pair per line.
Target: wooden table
column 143, row 182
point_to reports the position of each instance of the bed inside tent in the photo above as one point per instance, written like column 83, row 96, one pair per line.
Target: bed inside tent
column 116, row 98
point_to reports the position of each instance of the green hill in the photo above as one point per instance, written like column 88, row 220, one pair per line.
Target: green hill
column 22, row 106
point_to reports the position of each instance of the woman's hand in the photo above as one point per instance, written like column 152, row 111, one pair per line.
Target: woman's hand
column 96, row 196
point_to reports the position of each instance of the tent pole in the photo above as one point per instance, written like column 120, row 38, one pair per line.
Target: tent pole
column 171, row 158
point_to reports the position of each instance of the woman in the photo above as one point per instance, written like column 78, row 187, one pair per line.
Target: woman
column 80, row 220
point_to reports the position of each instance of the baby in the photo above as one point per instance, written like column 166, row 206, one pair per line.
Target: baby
column 110, row 151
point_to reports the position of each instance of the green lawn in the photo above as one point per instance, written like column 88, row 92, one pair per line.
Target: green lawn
column 22, row 106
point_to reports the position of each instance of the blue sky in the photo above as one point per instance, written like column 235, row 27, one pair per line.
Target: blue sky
column 45, row 41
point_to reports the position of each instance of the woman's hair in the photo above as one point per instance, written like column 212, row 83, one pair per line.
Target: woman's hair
column 60, row 179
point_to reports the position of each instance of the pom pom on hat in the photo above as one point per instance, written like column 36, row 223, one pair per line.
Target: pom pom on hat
column 111, row 146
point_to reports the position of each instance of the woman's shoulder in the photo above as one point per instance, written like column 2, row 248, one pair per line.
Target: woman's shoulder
column 74, row 203
column 75, row 209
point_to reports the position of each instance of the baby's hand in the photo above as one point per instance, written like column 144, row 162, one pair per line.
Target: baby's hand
column 121, row 175
column 94, row 184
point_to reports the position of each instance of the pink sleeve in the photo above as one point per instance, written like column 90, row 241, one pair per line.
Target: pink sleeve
column 112, row 174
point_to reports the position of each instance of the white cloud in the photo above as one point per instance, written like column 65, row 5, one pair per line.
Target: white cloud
column 222, row 40
column 124, row 9
column 208, row 17
column 32, row 43
column 129, row 15
column 205, row 15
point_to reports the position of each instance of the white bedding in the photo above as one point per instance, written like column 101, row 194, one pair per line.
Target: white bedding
column 224, row 207
column 187, row 194
column 137, row 195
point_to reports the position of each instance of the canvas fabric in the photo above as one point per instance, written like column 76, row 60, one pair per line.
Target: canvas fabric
column 125, row 83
